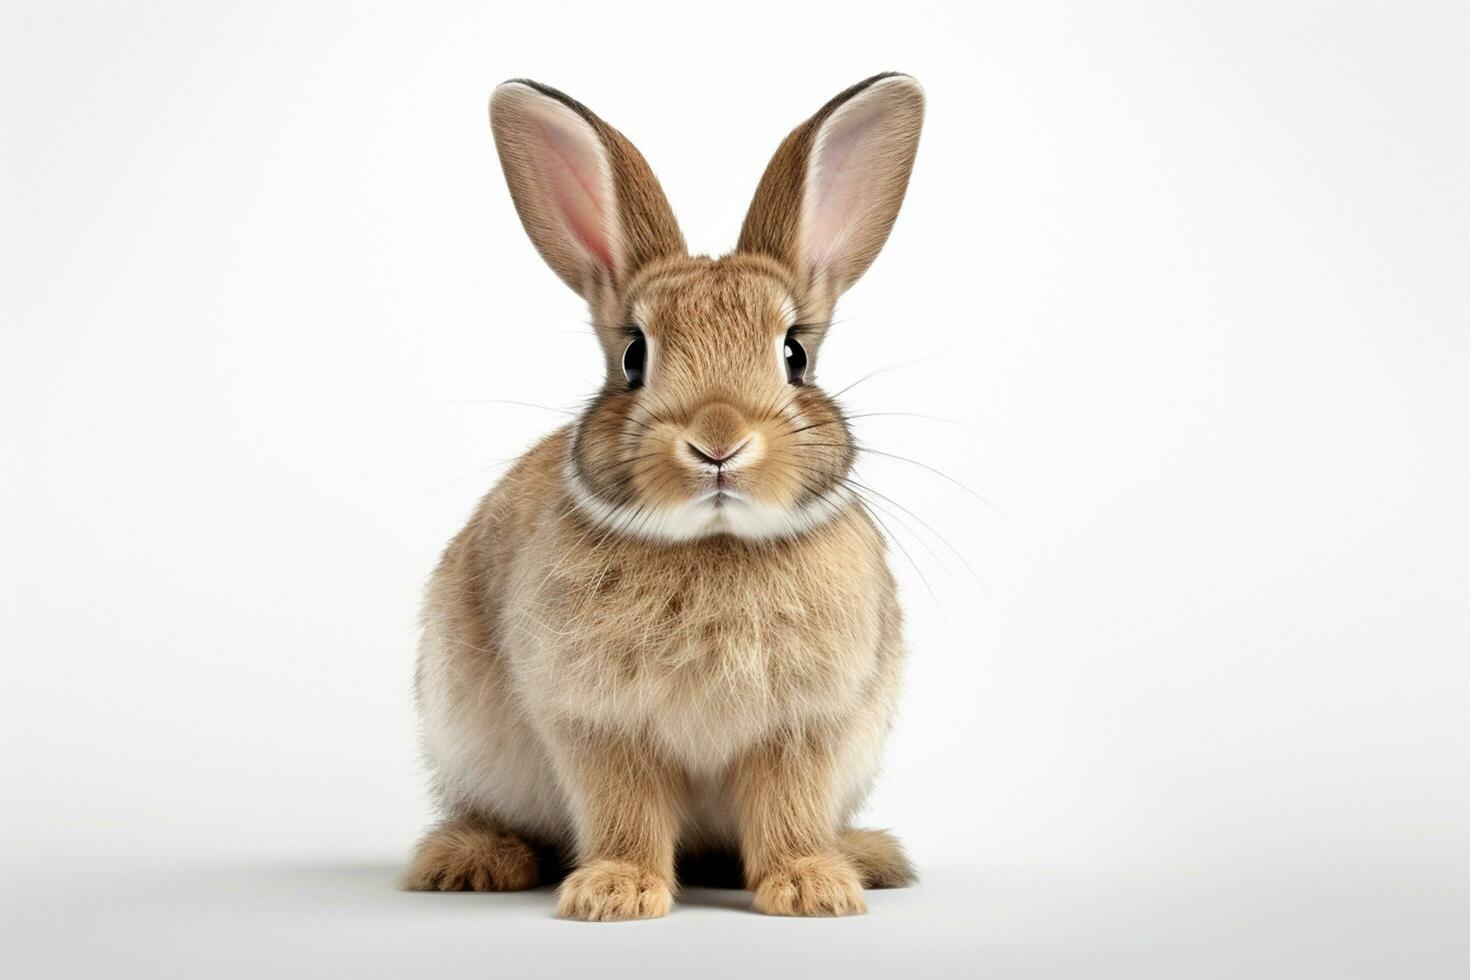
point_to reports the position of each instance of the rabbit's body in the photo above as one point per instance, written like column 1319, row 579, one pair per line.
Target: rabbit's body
column 528, row 626
column 672, row 628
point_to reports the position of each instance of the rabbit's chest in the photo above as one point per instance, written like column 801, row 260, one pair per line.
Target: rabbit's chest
column 708, row 662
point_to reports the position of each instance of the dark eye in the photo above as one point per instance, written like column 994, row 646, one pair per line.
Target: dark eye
column 795, row 361
column 635, row 357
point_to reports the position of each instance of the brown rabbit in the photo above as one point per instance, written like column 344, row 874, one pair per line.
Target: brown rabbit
column 671, row 629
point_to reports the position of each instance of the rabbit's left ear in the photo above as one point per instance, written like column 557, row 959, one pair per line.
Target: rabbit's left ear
column 831, row 193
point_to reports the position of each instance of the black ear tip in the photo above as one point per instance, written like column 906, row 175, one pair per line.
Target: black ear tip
column 908, row 82
column 531, row 83
column 512, row 84
column 511, row 90
column 903, row 78
column 541, row 88
column 516, row 85
column 884, row 76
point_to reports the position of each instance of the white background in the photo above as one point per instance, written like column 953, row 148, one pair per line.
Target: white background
column 1189, row 279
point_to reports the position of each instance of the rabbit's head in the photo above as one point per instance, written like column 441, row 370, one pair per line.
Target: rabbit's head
column 710, row 421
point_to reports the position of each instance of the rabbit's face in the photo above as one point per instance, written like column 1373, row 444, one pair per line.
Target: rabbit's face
column 711, row 422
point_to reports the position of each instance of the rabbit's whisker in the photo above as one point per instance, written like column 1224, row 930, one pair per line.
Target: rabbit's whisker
column 855, row 485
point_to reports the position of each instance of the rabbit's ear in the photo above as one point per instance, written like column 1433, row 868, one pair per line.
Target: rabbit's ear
column 585, row 195
column 831, row 193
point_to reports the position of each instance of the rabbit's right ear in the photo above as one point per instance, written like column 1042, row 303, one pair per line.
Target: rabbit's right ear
column 584, row 193
column 831, row 193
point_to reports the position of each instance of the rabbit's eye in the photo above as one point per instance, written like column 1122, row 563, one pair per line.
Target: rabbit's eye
column 635, row 358
column 795, row 360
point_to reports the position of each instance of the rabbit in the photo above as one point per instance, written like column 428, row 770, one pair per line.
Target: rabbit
column 671, row 629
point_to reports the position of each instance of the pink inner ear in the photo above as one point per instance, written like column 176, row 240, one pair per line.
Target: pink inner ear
column 845, row 191
column 574, row 175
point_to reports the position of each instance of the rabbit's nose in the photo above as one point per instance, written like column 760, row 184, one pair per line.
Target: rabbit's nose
column 715, row 456
column 716, row 435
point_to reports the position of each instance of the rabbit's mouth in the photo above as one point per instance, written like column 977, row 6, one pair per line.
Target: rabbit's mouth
column 722, row 484
column 723, row 505
column 731, row 511
column 722, row 496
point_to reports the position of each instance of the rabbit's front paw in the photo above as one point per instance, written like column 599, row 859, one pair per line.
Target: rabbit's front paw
column 820, row 885
column 611, row 891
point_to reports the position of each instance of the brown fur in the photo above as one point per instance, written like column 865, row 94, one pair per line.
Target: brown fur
column 878, row 857
column 472, row 854
column 773, row 225
column 603, row 890
column 647, row 224
column 633, row 653
column 679, row 300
